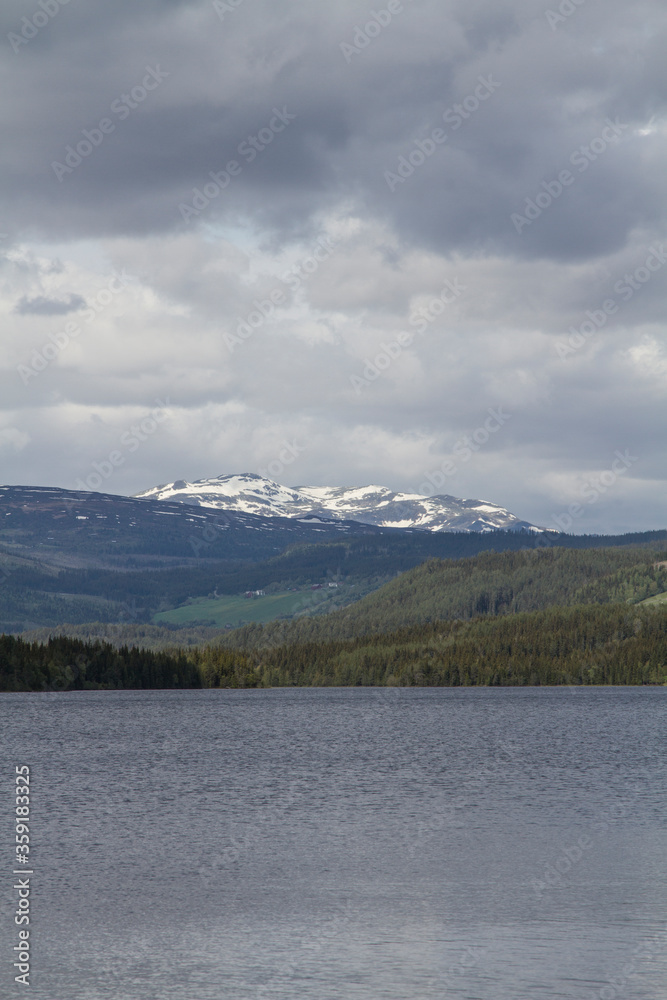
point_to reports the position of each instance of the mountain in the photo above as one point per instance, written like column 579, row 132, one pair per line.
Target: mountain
column 377, row 505
column 80, row 557
column 76, row 528
column 74, row 556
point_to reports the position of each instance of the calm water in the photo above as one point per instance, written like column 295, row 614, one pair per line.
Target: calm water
column 323, row 844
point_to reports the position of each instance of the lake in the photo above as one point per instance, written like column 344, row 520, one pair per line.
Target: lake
column 366, row 844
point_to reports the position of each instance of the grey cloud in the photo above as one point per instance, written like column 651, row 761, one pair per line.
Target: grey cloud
column 451, row 215
column 353, row 121
column 41, row 305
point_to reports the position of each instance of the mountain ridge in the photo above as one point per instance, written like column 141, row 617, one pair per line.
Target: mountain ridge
column 376, row 505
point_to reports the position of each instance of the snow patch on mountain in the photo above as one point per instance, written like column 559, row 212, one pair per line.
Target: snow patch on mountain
column 378, row 505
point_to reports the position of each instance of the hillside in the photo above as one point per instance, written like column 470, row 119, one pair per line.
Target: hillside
column 69, row 528
column 597, row 644
column 85, row 558
column 488, row 584
column 155, row 638
column 594, row 644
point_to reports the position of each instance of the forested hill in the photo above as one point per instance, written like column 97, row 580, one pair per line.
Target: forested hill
column 489, row 584
column 594, row 644
column 548, row 616
column 590, row 644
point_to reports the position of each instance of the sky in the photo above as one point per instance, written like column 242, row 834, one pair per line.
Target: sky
column 416, row 243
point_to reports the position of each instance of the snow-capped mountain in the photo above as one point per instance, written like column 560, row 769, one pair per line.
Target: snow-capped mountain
column 376, row 505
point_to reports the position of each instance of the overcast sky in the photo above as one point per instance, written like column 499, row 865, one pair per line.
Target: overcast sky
column 420, row 244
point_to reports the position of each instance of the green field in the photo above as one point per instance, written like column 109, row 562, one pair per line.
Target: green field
column 228, row 610
column 656, row 599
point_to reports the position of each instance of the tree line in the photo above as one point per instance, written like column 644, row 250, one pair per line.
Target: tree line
column 489, row 584
column 587, row 644
column 64, row 664
column 593, row 644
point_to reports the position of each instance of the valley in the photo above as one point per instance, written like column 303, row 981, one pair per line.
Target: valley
column 256, row 599
column 234, row 611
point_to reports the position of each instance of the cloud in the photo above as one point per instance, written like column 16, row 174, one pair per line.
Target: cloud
column 42, row 306
column 530, row 159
